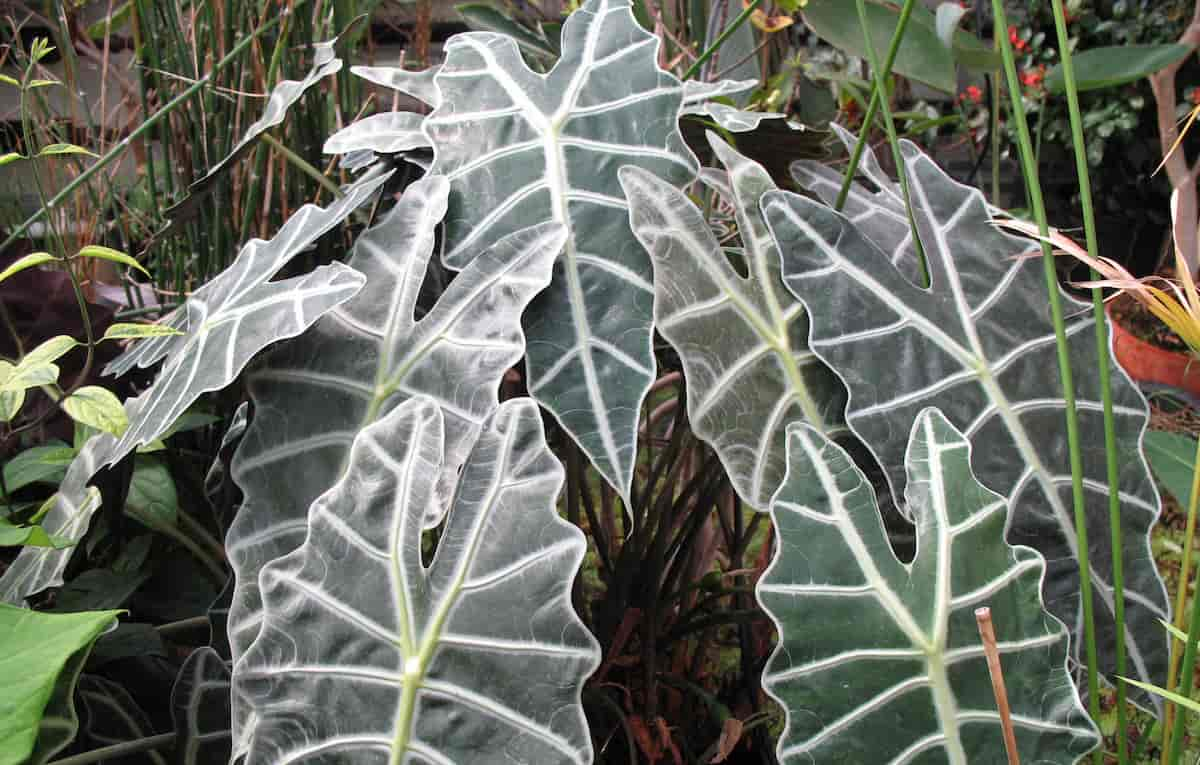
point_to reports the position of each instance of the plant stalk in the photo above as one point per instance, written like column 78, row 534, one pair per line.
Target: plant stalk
column 119, row 750
column 1112, row 467
column 876, row 96
column 1037, row 204
column 742, row 17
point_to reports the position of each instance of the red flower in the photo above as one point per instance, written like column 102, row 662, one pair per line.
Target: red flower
column 1196, row 96
column 1015, row 38
column 1032, row 78
column 972, row 94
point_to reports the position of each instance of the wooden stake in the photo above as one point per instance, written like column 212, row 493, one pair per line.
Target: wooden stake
column 983, row 616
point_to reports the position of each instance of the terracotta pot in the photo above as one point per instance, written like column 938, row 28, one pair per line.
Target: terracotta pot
column 1148, row 363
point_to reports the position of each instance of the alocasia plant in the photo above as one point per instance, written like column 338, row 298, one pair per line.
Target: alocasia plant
column 362, row 360
column 743, row 340
column 369, row 654
column 223, row 324
column 881, row 661
column 979, row 344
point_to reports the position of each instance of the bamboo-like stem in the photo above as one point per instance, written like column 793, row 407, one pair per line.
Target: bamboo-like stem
column 879, row 93
column 1181, row 600
column 987, row 633
column 1112, row 467
column 141, row 130
column 876, row 97
column 742, row 17
column 1038, row 207
column 1188, row 679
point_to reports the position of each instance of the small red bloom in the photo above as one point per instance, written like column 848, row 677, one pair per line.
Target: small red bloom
column 1196, row 96
column 972, row 94
column 1032, row 78
column 1014, row 37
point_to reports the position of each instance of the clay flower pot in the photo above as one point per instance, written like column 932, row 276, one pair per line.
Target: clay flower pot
column 1146, row 362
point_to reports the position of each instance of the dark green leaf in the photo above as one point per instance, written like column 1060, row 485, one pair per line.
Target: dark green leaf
column 1173, row 457
column 1109, row 66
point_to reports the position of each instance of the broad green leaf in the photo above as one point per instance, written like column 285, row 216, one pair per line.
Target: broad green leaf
column 315, row 395
column 743, row 340
column 1173, row 457
column 11, row 401
column 386, row 133
column 1113, row 65
column 200, row 707
column 921, row 57
column 979, row 344
column 29, row 374
column 487, row 18
column 151, row 498
column 227, row 321
column 477, row 656
column 58, row 149
column 521, row 148
column 12, row 535
column 881, row 661
column 31, row 260
column 9, row 158
column 99, row 588
column 38, row 649
column 283, row 96
column 51, row 350
column 98, row 408
column 126, row 331
column 40, row 464
column 108, row 253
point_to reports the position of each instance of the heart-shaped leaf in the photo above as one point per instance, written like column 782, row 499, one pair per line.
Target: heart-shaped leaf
column 365, row 358
column 881, row 661
column 979, row 344
column 743, row 340
column 521, row 148
column 476, row 657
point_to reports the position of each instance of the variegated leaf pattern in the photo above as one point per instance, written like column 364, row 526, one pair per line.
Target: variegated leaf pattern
column 200, row 709
column 385, row 133
column 368, row 655
column 879, row 214
column 979, row 344
column 420, row 84
column 743, row 340
column 226, row 322
column 881, row 661
column 521, row 148
column 314, row 395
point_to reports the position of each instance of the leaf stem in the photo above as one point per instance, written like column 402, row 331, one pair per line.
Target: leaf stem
column 1038, row 206
column 1181, row 599
column 876, row 97
column 1188, row 679
column 302, row 165
column 748, row 11
column 119, row 750
column 1105, row 374
column 879, row 95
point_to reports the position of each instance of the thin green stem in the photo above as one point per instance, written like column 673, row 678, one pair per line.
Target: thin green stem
column 703, row 58
column 146, row 126
column 1188, row 679
column 302, row 165
column 1105, row 373
column 876, row 99
column 1038, row 206
column 1169, row 709
column 123, row 749
column 879, row 95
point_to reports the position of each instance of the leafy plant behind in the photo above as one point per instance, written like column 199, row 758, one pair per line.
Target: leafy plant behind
column 366, row 652
column 978, row 344
column 881, row 661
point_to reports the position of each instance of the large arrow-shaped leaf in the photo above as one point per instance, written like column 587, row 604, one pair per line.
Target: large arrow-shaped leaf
column 979, row 344
column 743, row 340
column 368, row 655
column 881, row 661
column 520, row 148
column 225, row 323
column 362, row 360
